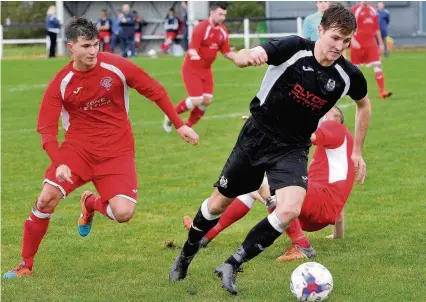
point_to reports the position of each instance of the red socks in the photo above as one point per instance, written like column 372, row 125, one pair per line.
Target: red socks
column 196, row 112
column 236, row 210
column 94, row 203
column 296, row 234
column 379, row 79
column 35, row 228
column 195, row 116
column 184, row 106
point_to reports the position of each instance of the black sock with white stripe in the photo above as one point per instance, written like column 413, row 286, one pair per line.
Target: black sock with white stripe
column 258, row 239
column 203, row 222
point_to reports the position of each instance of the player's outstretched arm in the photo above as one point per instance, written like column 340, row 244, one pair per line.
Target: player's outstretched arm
column 47, row 123
column 380, row 41
column 330, row 134
column 257, row 196
column 193, row 54
column 262, row 194
column 362, row 120
column 339, row 227
column 251, row 57
column 138, row 79
column 185, row 132
column 196, row 39
column 188, row 135
column 230, row 55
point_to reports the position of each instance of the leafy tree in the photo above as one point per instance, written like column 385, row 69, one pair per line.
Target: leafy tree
column 32, row 13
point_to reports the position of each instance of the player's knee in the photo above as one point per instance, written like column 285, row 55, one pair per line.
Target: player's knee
column 207, row 100
column 196, row 101
column 377, row 68
column 287, row 214
column 124, row 211
column 218, row 203
column 124, row 215
column 48, row 200
column 217, row 208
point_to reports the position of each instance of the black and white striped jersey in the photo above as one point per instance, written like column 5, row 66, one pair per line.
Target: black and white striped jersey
column 297, row 91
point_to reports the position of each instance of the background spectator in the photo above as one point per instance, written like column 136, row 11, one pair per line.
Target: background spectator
column 127, row 34
column 53, row 28
column 116, row 29
column 171, row 27
column 104, row 26
column 384, row 18
column 185, row 25
column 139, row 24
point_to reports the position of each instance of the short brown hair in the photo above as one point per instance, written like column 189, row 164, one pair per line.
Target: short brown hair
column 215, row 5
column 337, row 16
column 342, row 116
column 80, row 27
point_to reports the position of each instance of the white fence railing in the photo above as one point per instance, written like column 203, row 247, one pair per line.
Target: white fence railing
column 246, row 35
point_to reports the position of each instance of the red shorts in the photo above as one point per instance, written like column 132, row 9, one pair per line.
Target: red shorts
column 111, row 176
column 198, row 83
column 105, row 36
column 365, row 55
column 317, row 210
column 171, row 35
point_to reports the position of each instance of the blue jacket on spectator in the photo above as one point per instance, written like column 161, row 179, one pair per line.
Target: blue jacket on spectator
column 384, row 18
column 52, row 24
column 128, row 27
column 116, row 27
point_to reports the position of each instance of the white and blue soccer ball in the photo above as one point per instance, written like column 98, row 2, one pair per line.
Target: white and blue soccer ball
column 311, row 281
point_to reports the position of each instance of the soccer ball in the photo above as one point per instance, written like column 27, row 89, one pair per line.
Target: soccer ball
column 152, row 53
column 311, row 281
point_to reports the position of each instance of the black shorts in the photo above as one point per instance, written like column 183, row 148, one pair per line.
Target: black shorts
column 256, row 153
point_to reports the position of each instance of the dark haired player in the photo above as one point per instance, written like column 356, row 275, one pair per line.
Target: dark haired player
column 304, row 81
column 91, row 94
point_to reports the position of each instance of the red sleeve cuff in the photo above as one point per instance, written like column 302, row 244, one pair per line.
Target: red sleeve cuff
column 166, row 106
column 52, row 150
column 319, row 137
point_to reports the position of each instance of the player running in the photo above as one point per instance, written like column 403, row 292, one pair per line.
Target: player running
column 304, row 81
column 208, row 37
column 364, row 48
column 331, row 178
column 91, row 93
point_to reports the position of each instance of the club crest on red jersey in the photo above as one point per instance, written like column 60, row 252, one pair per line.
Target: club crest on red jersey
column 106, row 82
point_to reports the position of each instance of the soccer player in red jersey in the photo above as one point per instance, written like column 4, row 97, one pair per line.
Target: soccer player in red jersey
column 364, row 48
column 331, row 178
column 91, row 93
column 208, row 37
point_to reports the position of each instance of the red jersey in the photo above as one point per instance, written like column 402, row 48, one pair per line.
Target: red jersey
column 332, row 165
column 367, row 24
column 207, row 40
column 94, row 105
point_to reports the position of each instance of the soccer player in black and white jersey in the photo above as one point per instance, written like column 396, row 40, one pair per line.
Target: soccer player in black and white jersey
column 304, row 80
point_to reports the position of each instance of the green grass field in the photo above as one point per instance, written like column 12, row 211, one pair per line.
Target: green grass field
column 382, row 257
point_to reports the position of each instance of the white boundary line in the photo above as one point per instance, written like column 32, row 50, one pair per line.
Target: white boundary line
column 151, row 122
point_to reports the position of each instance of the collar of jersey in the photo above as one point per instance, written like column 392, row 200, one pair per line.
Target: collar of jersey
column 87, row 73
column 316, row 63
